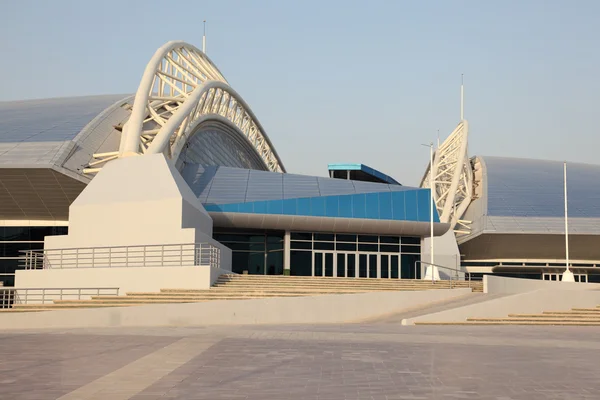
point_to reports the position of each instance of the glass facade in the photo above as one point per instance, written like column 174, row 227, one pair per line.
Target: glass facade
column 259, row 253
column 354, row 256
column 219, row 147
column 15, row 239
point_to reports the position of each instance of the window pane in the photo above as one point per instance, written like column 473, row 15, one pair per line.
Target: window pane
column 411, row 240
column 390, row 248
column 324, row 237
column 351, row 265
column 323, row 246
column 301, row 236
column 389, row 239
column 411, row 249
column 346, row 246
column 253, row 263
column 301, row 245
column 301, row 263
column 372, row 266
column 367, row 247
column 362, row 265
column 341, row 265
column 345, row 238
column 385, row 266
column 394, row 267
column 408, row 267
column 368, row 239
column 328, row 264
column 275, row 239
column 318, row 264
column 275, row 263
column 245, row 246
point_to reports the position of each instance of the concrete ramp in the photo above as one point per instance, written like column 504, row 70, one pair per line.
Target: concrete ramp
column 336, row 308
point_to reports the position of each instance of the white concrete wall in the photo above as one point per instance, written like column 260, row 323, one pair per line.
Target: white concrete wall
column 499, row 284
column 533, row 302
column 337, row 308
column 445, row 251
column 127, row 279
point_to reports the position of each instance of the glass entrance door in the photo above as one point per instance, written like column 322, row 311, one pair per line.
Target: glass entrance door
column 388, row 264
column 323, row 263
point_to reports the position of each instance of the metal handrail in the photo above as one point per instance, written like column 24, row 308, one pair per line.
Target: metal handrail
column 124, row 256
column 17, row 295
column 457, row 277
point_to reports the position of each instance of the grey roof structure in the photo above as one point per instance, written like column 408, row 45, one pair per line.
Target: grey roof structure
column 47, row 132
column 527, row 196
column 44, row 146
column 226, row 185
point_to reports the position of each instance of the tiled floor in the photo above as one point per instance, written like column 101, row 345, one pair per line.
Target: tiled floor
column 355, row 361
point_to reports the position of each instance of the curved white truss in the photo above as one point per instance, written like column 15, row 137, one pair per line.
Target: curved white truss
column 180, row 87
column 452, row 178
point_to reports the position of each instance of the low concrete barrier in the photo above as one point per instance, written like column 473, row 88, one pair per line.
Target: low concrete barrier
column 533, row 302
column 337, row 308
column 499, row 284
column 127, row 279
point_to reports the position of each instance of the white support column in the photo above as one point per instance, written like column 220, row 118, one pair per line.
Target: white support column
column 431, row 272
column 567, row 276
column 286, row 252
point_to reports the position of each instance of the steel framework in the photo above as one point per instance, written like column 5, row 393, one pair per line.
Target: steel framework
column 180, row 88
column 452, row 178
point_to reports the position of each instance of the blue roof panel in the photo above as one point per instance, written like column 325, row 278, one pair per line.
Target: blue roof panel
column 364, row 168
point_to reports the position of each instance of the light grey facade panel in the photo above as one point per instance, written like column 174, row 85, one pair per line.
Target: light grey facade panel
column 522, row 196
column 332, row 187
column 263, row 185
column 41, row 132
column 226, row 185
column 528, row 188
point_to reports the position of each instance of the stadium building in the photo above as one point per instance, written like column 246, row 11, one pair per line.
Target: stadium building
column 357, row 223
column 491, row 215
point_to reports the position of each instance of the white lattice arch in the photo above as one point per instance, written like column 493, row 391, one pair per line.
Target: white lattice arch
column 452, row 178
column 181, row 87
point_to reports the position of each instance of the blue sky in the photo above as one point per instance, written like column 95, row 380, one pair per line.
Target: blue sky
column 341, row 81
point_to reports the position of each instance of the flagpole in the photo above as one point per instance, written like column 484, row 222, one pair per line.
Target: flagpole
column 567, row 276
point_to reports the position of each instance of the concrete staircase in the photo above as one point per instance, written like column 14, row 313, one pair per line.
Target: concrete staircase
column 576, row 316
column 244, row 287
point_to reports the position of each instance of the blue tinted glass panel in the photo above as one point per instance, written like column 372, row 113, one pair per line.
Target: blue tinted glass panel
column 385, row 205
column 275, row 206
column 423, row 205
column 289, row 207
column 303, row 206
column 398, row 205
column 332, row 206
column 411, row 205
column 358, row 206
column 260, row 207
column 317, row 206
column 345, row 206
column 246, row 207
column 372, row 200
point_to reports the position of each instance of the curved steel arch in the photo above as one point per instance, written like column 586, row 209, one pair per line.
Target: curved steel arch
column 223, row 126
column 180, row 85
column 452, row 178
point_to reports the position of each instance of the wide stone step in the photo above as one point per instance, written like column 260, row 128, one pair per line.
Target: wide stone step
column 522, row 322
column 530, row 319
column 556, row 315
column 245, row 293
column 75, row 304
column 382, row 287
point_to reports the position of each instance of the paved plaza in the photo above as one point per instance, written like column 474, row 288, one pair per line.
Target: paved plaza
column 376, row 361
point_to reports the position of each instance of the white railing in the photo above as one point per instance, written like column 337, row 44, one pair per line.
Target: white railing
column 455, row 275
column 168, row 255
column 10, row 296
